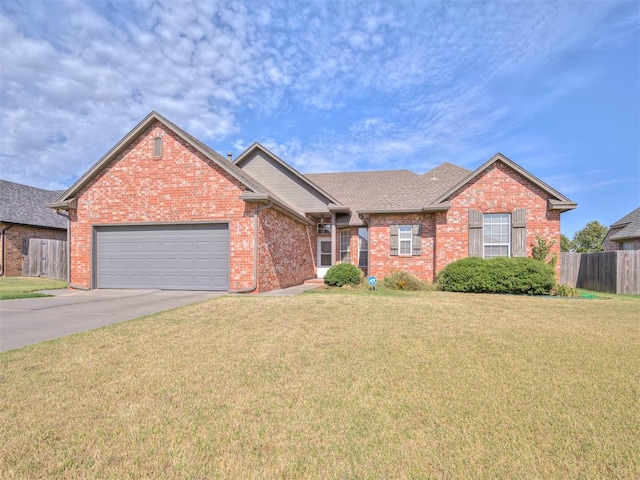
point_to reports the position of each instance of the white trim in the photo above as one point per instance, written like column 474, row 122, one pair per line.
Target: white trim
column 404, row 229
column 321, row 270
column 500, row 224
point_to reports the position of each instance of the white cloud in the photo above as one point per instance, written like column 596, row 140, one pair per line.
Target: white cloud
column 406, row 85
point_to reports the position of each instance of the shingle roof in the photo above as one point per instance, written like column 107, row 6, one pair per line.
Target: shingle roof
column 423, row 190
column 630, row 224
column 359, row 190
column 27, row 205
column 392, row 190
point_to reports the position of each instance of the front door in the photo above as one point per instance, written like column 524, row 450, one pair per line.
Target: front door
column 324, row 256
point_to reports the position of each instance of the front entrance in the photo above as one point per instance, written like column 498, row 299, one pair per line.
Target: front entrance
column 324, row 256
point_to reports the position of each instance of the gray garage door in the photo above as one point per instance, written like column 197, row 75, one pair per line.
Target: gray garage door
column 177, row 257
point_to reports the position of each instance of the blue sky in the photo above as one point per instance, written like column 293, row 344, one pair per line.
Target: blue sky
column 334, row 86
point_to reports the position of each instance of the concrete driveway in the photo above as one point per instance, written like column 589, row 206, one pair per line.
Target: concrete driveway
column 32, row 320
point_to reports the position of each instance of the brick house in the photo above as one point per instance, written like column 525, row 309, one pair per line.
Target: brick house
column 624, row 234
column 23, row 216
column 163, row 210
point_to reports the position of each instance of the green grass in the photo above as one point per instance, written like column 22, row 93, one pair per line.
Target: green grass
column 24, row 287
column 330, row 385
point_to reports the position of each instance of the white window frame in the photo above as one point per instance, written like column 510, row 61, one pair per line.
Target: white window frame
column 345, row 245
column 490, row 220
column 405, row 237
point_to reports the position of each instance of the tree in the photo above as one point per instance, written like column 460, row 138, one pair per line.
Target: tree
column 565, row 243
column 590, row 238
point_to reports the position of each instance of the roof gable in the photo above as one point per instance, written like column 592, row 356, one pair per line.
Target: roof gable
column 25, row 205
column 557, row 201
column 284, row 180
column 68, row 196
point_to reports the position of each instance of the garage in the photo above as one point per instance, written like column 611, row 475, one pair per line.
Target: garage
column 170, row 257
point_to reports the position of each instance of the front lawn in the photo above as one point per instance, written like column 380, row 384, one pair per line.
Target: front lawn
column 329, row 385
column 25, row 287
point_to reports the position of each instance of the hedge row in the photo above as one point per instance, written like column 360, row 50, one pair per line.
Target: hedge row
column 498, row 275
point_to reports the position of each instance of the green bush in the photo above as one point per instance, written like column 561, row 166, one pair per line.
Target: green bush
column 562, row 290
column 402, row 281
column 524, row 276
column 343, row 274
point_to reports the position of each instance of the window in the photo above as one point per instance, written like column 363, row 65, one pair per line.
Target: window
column 157, row 147
column 627, row 245
column 363, row 249
column 324, row 228
column 345, row 239
column 496, row 240
column 404, row 239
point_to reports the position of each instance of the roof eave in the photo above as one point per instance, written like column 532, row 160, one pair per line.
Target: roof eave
column 561, row 206
column 277, row 204
column 70, row 204
column 561, row 199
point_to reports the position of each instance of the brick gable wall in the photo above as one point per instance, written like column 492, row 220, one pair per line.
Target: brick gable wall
column 182, row 186
column 499, row 189
column 14, row 246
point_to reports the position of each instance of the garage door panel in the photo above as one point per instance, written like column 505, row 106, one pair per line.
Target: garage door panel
column 189, row 257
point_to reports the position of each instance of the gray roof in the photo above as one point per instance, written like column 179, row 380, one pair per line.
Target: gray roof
column 359, row 190
column 630, row 226
column 25, row 205
column 389, row 190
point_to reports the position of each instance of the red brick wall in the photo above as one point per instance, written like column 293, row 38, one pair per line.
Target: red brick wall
column 499, row 189
column 14, row 245
column 286, row 256
column 382, row 264
column 182, row 186
column 445, row 234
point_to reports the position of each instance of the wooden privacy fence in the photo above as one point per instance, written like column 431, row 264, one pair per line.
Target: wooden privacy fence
column 609, row 272
column 45, row 258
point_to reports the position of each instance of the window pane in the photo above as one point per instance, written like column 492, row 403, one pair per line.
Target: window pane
column 345, row 248
column 496, row 234
column 405, row 234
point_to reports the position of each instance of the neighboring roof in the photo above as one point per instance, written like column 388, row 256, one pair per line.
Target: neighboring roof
column 25, row 205
column 630, row 227
column 359, row 190
column 557, row 202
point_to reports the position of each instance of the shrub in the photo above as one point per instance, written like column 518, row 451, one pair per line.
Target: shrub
column 402, row 281
column 540, row 250
column 563, row 290
column 498, row 275
column 343, row 274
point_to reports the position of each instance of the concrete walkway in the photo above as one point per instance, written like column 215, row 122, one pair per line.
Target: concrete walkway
column 287, row 292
